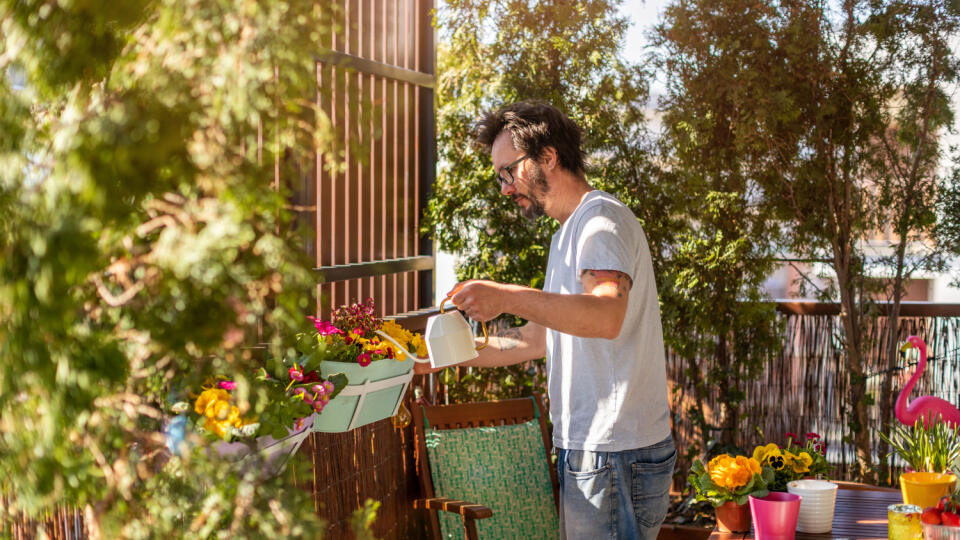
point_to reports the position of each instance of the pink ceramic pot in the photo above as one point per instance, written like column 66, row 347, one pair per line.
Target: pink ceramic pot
column 775, row 516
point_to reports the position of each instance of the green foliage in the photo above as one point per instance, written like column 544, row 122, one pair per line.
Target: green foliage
column 363, row 518
column 500, row 52
column 141, row 250
column 934, row 448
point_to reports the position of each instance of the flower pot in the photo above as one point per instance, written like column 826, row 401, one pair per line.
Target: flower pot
column 733, row 517
column 277, row 453
column 818, row 499
column 775, row 516
column 924, row 489
column 372, row 393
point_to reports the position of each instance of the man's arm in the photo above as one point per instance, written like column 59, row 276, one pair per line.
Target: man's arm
column 596, row 313
column 508, row 345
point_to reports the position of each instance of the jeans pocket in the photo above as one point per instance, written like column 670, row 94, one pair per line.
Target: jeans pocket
column 584, row 464
column 650, row 488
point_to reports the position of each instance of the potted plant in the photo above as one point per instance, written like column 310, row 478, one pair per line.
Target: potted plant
column 727, row 482
column 796, row 468
column 354, row 344
column 931, row 452
column 794, row 461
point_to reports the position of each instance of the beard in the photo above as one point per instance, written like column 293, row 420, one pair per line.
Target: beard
column 538, row 189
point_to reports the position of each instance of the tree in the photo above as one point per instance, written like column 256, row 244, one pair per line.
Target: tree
column 142, row 249
column 918, row 70
column 563, row 53
column 823, row 134
column 712, row 300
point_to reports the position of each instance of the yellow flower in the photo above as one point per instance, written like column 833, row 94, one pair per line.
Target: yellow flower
column 770, row 455
column 732, row 472
column 412, row 341
column 419, row 345
column 801, row 463
column 208, row 398
column 216, row 427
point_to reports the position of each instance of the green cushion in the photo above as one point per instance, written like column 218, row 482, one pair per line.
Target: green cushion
column 502, row 467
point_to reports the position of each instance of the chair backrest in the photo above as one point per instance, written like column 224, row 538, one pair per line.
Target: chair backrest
column 498, row 450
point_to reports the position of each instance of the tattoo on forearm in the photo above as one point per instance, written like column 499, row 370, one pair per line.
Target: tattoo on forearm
column 506, row 337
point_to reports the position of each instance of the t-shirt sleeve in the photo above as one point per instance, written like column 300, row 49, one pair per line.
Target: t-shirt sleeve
column 605, row 242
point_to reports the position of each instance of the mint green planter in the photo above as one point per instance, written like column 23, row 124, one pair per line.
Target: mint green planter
column 373, row 393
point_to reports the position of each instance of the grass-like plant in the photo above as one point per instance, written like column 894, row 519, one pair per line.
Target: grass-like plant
column 933, row 448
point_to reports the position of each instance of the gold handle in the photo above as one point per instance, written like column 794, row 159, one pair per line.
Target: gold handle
column 486, row 338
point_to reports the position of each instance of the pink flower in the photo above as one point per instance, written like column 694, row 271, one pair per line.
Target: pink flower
column 319, row 405
column 329, row 386
column 227, row 385
column 318, row 389
column 296, row 374
column 364, row 359
column 325, row 328
column 303, row 394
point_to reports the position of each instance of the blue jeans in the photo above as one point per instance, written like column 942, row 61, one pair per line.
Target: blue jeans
column 615, row 494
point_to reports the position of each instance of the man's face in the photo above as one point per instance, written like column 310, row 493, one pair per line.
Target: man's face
column 530, row 187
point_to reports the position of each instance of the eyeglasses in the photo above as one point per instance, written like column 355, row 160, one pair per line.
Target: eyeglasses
column 509, row 179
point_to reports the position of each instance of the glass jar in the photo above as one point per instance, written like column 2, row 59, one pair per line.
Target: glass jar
column 904, row 522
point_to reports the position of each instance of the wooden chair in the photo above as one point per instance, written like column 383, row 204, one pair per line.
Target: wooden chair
column 472, row 415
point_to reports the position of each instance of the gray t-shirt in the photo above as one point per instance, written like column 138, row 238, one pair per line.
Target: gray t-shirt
column 607, row 394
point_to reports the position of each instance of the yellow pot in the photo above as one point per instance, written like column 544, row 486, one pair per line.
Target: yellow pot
column 924, row 489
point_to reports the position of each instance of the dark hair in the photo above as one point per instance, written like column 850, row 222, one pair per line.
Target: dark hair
column 534, row 126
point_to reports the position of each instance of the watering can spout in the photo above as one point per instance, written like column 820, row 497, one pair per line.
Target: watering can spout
column 402, row 349
column 449, row 339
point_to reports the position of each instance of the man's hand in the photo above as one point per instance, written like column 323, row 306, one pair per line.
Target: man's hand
column 481, row 300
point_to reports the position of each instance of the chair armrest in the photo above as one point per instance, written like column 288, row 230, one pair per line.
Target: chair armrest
column 464, row 508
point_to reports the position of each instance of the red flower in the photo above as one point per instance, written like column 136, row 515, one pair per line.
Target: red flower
column 813, row 435
column 791, row 436
column 364, row 359
column 311, row 376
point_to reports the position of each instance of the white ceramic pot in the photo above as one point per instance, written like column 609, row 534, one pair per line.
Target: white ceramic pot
column 818, row 499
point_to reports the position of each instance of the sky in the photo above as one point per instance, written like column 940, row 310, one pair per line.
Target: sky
column 644, row 15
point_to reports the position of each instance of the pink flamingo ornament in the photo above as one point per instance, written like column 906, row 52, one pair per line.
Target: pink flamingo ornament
column 926, row 407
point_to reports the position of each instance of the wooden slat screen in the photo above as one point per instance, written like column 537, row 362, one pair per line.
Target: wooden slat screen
column 371, row 211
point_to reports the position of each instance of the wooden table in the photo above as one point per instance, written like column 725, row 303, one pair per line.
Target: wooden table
column 860, row 513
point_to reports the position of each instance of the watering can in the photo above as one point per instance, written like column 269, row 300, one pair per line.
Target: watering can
column 449, row 339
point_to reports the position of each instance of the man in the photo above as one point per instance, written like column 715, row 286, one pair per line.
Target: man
column 597, row 321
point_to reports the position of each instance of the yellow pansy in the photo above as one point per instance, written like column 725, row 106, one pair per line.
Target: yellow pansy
column 770, row 455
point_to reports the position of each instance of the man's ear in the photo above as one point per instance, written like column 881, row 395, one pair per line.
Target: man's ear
column 548, row 158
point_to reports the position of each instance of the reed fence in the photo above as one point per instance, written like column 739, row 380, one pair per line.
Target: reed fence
column 802, row 388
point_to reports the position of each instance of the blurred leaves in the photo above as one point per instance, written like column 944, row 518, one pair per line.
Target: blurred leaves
column 143, row 250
